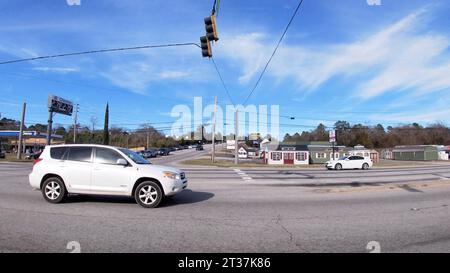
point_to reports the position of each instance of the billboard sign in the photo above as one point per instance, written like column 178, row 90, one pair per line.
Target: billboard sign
column 332, row 135
column 60, row 105
column 230, row 144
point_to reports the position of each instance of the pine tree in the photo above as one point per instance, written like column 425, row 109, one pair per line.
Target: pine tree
column 106, row 128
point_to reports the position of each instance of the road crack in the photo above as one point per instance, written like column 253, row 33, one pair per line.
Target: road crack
column 290, row 235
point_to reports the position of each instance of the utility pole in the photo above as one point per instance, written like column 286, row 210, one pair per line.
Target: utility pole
column 75, row 124
column 214, row 132
column 148, row 139
column 49, row 126
column 236, row 133
column 22, row 123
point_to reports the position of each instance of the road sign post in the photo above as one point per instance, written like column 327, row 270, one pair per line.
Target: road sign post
column 60, row 106
column 332, row 136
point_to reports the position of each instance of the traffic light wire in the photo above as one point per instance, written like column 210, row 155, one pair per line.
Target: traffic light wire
column 98, row 51
column 274, row 52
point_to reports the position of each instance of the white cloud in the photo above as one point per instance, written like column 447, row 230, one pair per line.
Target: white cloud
column 138, row 76
column 428, row 116
column 397, row 58
column 173, row 74
column 61, row 70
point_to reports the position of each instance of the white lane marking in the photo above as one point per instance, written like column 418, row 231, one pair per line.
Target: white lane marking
column 243, row 175
column 441, row 177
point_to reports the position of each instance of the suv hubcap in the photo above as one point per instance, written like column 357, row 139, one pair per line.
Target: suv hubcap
column 52, row 190
column 148, row 195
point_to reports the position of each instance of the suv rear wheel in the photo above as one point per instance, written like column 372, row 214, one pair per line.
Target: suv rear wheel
column 365, row 166
column 148, row 194
column 54, row 190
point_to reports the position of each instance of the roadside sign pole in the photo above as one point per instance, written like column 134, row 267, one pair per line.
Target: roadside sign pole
column 49, row 126
column 213, row 156
column 22, row 124
column 333, row 151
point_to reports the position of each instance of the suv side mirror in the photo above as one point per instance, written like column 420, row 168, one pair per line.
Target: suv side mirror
column 122, row 162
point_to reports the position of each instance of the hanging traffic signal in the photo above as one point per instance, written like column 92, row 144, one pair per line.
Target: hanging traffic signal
column 211, row 28
column 206, row 47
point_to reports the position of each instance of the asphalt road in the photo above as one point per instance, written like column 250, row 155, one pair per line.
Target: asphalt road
column 245, row 210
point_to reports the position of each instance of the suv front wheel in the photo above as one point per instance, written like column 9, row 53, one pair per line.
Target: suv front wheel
column 148, row 194
column 54, row 190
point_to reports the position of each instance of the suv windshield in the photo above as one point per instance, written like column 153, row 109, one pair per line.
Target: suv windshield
column 138, row 159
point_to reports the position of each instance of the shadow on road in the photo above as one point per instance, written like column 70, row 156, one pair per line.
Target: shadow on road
column 185, row 197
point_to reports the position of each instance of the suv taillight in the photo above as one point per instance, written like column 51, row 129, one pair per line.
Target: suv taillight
column 36, row 161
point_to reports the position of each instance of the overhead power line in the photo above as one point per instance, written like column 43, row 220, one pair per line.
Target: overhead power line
column 223, row 83
column 97, row 51
column 274, row 52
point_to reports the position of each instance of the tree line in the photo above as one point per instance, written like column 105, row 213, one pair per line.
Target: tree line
column 116, row 136
column 377, row 136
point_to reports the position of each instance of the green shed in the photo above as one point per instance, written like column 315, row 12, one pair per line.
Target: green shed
column 416, row 153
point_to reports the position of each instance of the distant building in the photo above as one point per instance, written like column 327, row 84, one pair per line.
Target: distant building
column 33, row 141
column 416, row 152
column 444, row 152
column 322, row 151
column 360, row 150
column 387, row 154
column 287, row 154
column 247, row 152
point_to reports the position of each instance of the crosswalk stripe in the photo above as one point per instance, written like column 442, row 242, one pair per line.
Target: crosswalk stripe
column 243, row 175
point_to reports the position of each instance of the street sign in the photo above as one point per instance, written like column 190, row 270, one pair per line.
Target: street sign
column 230, row 144
column 332, row 134
column 60, row 105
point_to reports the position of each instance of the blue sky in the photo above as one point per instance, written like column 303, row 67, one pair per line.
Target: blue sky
column 341, row 60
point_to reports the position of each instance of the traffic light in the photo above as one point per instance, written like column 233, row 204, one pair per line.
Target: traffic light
column 211, row 28
column 206, row 47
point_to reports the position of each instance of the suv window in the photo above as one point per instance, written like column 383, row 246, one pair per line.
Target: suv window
column 58, row 152
column 82, row 154
column 106, row 156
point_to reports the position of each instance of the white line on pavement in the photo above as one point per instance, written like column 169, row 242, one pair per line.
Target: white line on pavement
column 243, row 175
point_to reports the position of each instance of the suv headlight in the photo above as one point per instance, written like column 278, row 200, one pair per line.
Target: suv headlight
column 172, row 175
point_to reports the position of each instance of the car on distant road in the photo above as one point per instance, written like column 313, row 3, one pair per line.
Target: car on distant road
column 2, row 154
column 164, row 151
column 199, row 148
column 32, row 155
column 151, row 153
column 350, row 162
column 103, row 170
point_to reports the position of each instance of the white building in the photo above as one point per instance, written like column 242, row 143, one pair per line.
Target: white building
column 287, row 154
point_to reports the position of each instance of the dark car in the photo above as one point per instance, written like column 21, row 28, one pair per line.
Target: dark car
column 33, row 155
column 151, row 153
column 2, row 154
column 199, row 148
column 164, row 151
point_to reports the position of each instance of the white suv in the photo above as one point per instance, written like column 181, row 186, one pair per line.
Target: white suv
column 103, row 170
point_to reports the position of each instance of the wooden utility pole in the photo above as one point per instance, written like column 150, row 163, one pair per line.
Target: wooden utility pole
column 22, row 124
column 213, row 156
column 236, row 133
column 49, row 126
